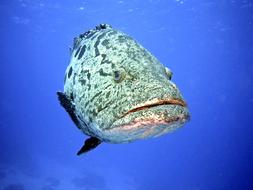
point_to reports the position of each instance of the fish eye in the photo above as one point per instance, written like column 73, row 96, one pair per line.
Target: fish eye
column 168, row 73
column 118, row 75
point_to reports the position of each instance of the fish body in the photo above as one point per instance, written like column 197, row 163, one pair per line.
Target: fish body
column 116, row 91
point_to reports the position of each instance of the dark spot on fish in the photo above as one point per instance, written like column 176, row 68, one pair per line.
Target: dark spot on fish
column 82, row 52
column 103, row 58
column 100, row 100
column 121, row 39
column 77, row 51
column 96, row 49
column 84, row 71
column 74, row 79
column 113, row 65
column 88, row 76
column 107, row 86
column 99, row 109
column 102, row 73
column 83, row 81
column 96, row 95
column 86, row 104
column 106, row 43
column 89, row 86
column 70, row 72
column 94, row 113
column 134, row 56
column 98, row 42
column 105, row 62
column 96, row 86
column 108, row 94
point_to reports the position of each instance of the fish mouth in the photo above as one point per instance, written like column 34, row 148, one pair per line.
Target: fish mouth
column 149, row 119
column 155, row 103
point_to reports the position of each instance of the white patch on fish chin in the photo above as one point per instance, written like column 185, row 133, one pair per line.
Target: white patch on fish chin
column 141, row 129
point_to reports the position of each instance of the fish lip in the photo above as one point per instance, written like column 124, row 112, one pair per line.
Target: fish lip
column 181, row 119
column 156, row 102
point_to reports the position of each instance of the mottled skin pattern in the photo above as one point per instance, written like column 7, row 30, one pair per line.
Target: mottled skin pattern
column 110, row 74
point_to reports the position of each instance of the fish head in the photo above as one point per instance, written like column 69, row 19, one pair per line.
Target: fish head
column 149, row 104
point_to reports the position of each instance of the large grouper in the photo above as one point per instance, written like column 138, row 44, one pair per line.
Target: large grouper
column 116, row 91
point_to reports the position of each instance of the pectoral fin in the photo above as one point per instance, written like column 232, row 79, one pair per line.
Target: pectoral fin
column 89, row 144
column 68, row 105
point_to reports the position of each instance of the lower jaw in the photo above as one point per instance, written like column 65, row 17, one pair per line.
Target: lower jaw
column 142, row 129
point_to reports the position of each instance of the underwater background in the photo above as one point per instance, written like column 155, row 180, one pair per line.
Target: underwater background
column 208, row 44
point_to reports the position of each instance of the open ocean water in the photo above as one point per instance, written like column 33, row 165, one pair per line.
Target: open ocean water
column 208, row 44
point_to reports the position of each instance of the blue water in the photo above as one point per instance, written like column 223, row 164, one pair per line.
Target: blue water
column 207, row 44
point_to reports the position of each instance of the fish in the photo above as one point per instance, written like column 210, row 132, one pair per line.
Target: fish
column 116, row 91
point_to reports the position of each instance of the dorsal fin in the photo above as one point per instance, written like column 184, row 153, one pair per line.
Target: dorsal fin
column 103, row 26
column 88, row 34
